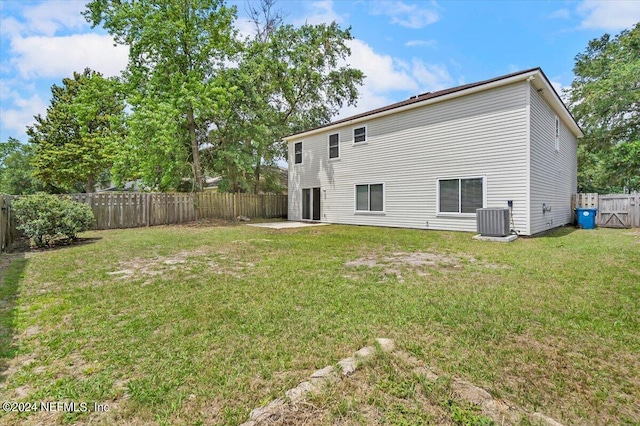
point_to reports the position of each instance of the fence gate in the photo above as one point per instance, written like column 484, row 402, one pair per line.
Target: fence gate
column 614, row 210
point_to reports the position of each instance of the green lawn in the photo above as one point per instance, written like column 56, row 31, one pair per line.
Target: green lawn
column 188, row 325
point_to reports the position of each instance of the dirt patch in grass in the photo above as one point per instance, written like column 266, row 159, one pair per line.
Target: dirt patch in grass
column 216, row 263
column 14, row 365
column 422, row 263
column 636, row 233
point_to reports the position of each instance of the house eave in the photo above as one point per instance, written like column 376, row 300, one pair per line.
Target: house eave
column 546, row 90
column 536, row 76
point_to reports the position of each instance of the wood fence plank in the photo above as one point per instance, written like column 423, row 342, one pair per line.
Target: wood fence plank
column 614, row 210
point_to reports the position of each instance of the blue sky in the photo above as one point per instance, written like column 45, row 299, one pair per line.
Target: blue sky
column 404, row 47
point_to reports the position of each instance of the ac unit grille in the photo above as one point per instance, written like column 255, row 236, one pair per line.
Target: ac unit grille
column 493, row 222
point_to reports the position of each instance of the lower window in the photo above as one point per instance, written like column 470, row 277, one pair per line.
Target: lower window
column 460, row 195
column 370, row 198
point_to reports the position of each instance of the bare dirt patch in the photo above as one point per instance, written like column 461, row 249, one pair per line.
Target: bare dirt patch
column 636, row 233
column 215, row 263
column 422, row 263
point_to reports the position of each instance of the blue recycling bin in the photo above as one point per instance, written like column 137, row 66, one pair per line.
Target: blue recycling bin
column 586, row 218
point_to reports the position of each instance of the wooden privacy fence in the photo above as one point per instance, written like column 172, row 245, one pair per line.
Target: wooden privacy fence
column 7, row 224
column 130, row 210
column 614, row 210
column 230, row 206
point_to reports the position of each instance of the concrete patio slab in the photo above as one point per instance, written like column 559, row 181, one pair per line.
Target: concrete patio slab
column 506, row 239
column 286, row 225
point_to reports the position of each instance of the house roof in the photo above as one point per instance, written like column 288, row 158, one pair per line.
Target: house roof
column 542, row 84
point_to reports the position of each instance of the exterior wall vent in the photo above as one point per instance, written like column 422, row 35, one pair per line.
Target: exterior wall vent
column 493, row 222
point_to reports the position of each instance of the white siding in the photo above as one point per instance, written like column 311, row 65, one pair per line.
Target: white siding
column 553, row 173
column 479, row 135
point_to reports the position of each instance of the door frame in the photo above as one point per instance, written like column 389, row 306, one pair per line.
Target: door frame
column 314, row 198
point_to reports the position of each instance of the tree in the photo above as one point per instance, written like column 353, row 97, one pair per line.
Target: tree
column 16, row 171
column 288, row 79
column 176, row 49
column 605, row 99
column 622, row 166
column 75, row 142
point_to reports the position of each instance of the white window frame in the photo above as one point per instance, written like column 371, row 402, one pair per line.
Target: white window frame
column 460, row 178
column 557, row 133
column 329, row 145
column 369, row 212
column 301, row 152
column 366, row 134
column 311, row 203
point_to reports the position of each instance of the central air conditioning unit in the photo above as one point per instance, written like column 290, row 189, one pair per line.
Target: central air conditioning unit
column 493, row 222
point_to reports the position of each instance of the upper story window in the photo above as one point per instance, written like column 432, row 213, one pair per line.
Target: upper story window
column 460, row 195
column 557, row 134
column 360, row 134
column 334, row 145
column 297, row 153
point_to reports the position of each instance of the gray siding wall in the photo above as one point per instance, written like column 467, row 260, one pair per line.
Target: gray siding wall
column 479, row 135
column 553, row 173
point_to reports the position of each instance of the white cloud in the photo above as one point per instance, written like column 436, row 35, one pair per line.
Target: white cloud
column 34, row 51
column 245, row 27
column 426, row 43
column 560, row 14
column 389, row 79
column 407, row 15
column 46, row 18
column 39, row 56
column 557, row 86
column 10, row 27
column 560, row 90
column 367, row 101
column 320, row 12
column 383, row 73
column 610, row 15
column 49, row 17
column 431, row 77
column 17, row 119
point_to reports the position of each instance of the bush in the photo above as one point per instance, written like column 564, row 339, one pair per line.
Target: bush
column 45, row 217
column 78, row 218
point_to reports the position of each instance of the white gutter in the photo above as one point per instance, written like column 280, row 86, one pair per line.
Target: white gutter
column 558, row 107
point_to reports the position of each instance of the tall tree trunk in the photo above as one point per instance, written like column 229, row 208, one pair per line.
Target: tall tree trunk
column 195, row 149
column 232, row 175
column 90, row 184
column 256, row 172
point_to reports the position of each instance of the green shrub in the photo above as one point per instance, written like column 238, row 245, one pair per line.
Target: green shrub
column 78, row 217
column 44, row 217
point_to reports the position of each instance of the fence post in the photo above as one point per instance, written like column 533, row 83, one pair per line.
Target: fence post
column 636, row 211
column 148, row 209
column 234, row 204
